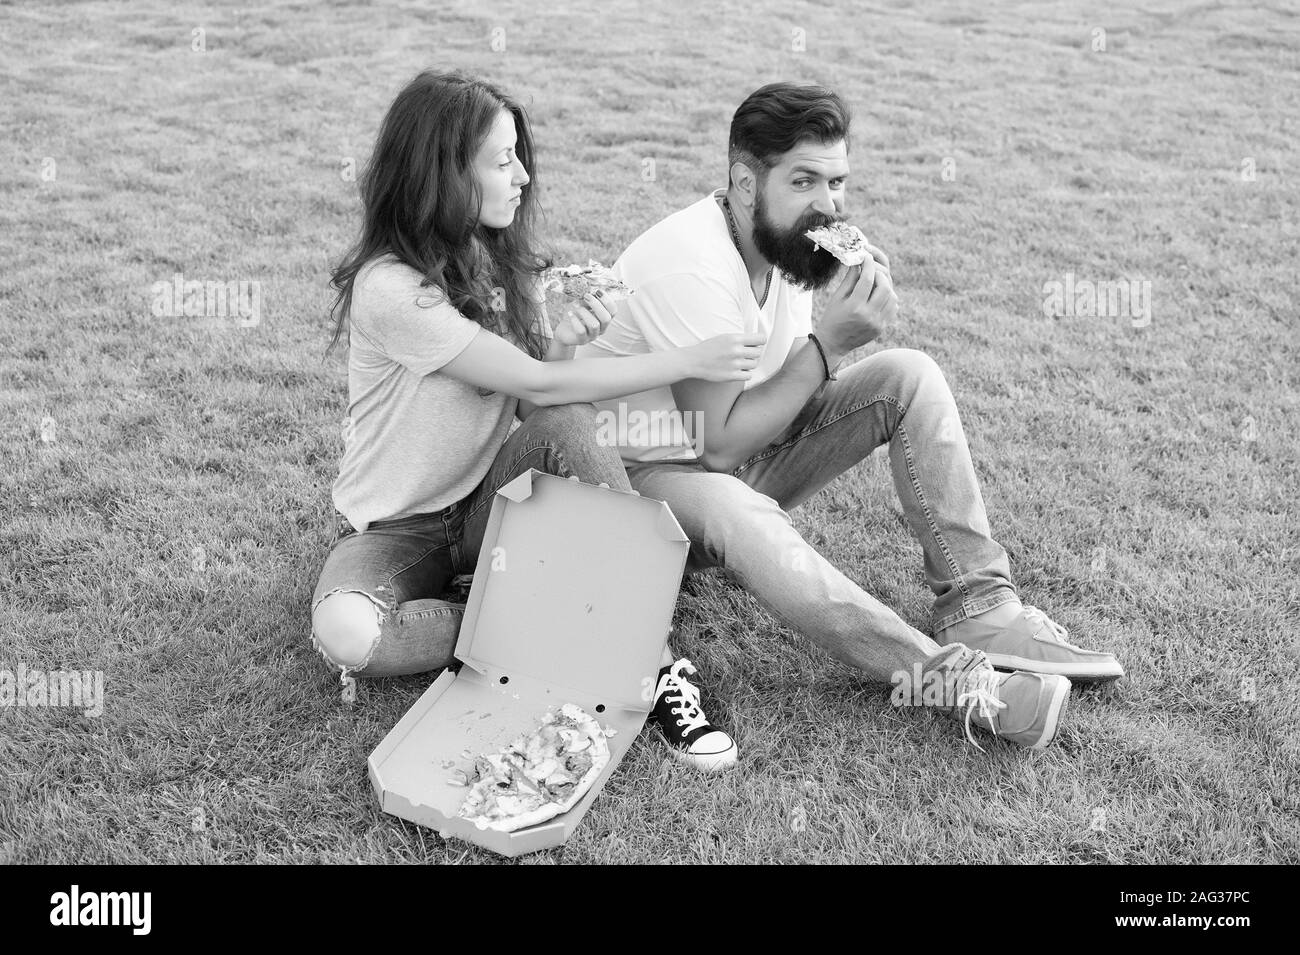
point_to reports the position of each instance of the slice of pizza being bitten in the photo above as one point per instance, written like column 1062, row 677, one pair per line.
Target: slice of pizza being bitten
column 538, row 776
column 845, row 242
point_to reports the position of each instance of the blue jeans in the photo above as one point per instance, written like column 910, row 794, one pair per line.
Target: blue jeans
column 404, row 566
column 738, row 521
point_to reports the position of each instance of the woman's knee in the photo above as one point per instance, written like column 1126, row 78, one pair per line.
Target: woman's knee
column 346, row 627
column 577, row 419
column 579, row 444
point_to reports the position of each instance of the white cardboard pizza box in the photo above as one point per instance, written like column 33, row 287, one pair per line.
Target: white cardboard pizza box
column 572, row 601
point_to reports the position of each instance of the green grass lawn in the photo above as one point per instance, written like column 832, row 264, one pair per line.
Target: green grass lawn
column 1142, row 478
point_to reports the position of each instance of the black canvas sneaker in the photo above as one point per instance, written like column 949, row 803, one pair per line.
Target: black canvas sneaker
column 687, row 731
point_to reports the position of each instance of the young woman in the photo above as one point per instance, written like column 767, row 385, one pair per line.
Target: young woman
column 449, row 342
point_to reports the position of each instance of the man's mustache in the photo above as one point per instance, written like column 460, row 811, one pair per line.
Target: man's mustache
column 817, row 221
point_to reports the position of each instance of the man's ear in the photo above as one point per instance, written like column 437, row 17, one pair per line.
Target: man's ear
column 745, row 183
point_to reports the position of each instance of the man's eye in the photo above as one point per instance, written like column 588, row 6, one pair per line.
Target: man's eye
column 837, row 183
column 802, row 182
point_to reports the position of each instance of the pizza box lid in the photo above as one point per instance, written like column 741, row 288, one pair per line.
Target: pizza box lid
column 572, row 602
column 575, row 588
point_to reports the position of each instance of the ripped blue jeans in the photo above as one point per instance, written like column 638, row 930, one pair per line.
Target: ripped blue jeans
column 406, row 566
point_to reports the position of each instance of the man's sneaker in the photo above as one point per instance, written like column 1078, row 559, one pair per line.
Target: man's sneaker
column 1025, row 708
column 1019, row 637
column 687, row 731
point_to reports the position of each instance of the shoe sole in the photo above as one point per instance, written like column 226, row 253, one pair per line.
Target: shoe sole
column 1078, row 672
column 706, row 762
column 1055, row 712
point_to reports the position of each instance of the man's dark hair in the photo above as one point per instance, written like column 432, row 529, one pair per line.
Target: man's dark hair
column 777, row 117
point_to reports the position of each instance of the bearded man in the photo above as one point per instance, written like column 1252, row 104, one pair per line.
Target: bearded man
column 745, row 453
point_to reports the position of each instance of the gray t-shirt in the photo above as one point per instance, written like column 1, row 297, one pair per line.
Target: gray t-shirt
column 417, row 441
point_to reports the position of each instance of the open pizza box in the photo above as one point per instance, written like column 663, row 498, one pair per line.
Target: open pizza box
column 572, row 601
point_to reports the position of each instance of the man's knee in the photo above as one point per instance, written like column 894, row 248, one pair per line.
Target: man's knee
column 917, row 381
column 346, row 627
column 910, row 363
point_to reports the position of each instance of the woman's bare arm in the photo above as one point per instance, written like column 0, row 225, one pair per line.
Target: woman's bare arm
column 494, row 363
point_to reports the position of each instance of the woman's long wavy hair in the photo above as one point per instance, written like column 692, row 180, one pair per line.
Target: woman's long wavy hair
column 421, row 202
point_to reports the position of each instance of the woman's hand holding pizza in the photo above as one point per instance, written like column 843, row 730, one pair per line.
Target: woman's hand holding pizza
column 587, row 295
column 585, row 321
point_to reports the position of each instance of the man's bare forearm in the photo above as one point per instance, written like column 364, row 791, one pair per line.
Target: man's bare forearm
column 762, row 413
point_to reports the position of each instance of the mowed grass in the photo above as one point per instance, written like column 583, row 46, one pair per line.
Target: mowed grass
column 1142, row 478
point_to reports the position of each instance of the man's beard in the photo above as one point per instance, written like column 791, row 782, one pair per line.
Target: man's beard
column 793, row 253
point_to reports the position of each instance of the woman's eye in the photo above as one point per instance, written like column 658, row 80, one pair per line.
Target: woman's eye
column 505, row 165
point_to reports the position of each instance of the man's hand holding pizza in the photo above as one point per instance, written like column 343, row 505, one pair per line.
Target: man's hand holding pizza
column 860, row 309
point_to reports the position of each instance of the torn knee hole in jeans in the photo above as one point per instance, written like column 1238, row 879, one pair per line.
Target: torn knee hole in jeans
column 382, row 610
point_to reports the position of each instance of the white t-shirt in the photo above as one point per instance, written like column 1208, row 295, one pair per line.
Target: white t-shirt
column 690, row 284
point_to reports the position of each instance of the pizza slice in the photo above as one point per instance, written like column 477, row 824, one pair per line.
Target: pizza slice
column 845, row 242
column 538, row 776
column 572, row 282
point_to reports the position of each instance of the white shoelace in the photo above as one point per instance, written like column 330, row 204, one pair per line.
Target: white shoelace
column 684, row 694
column 1057, row 632
column 980, row 689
